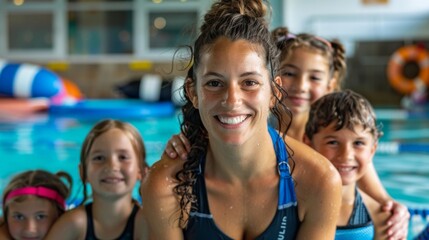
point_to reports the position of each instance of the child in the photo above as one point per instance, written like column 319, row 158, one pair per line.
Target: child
column 310, row 67
column 32, row 201
column 342, row 127
column 112, row 161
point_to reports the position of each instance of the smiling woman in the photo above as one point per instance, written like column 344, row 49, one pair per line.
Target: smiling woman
column 237, row 163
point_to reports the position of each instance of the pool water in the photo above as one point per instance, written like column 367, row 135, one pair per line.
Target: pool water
column 53, row 144
column 405, row 174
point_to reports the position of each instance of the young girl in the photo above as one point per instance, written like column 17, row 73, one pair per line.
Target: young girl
column 32, row 202
column 311, row 67
column 239, row 181
column 343, row 128
column 112, row 161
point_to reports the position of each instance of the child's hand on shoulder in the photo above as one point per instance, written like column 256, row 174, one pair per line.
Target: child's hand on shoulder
column 178, row 146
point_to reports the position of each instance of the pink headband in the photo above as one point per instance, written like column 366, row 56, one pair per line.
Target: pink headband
column 324, row 41
column 40, row 192
column 291, row 36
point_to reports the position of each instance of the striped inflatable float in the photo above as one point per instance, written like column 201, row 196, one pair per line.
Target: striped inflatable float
column 152, row 88
column 20, row 80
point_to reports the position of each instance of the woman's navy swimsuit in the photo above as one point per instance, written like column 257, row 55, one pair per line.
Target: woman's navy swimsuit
column 285, row 224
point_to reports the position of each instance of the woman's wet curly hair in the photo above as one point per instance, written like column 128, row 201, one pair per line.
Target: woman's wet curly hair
column 234, row 20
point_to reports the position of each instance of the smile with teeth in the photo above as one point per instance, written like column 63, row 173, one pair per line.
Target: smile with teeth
column 345, row 169
column 111, row 180
column 232, row 120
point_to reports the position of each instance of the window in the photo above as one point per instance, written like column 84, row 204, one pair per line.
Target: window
column 97, row 30
column 22, row 2
column 164, row 1
column 27, row 30
column 171, row 29
column 97, row 1
column 100, row 32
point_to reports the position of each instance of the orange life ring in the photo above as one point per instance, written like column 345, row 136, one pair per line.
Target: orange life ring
column 396, row 64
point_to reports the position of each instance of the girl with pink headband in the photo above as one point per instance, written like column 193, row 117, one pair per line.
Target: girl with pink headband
column 32, row 202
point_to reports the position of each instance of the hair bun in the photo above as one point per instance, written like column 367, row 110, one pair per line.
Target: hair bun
column 250, row 8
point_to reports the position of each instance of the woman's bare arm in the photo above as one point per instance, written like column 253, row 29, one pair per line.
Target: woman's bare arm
column 160, row 205
column 71, row 225
column 318, row 189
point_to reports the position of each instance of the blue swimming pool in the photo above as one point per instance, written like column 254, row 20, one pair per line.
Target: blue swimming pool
column 53, row 143
column 405, row 172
